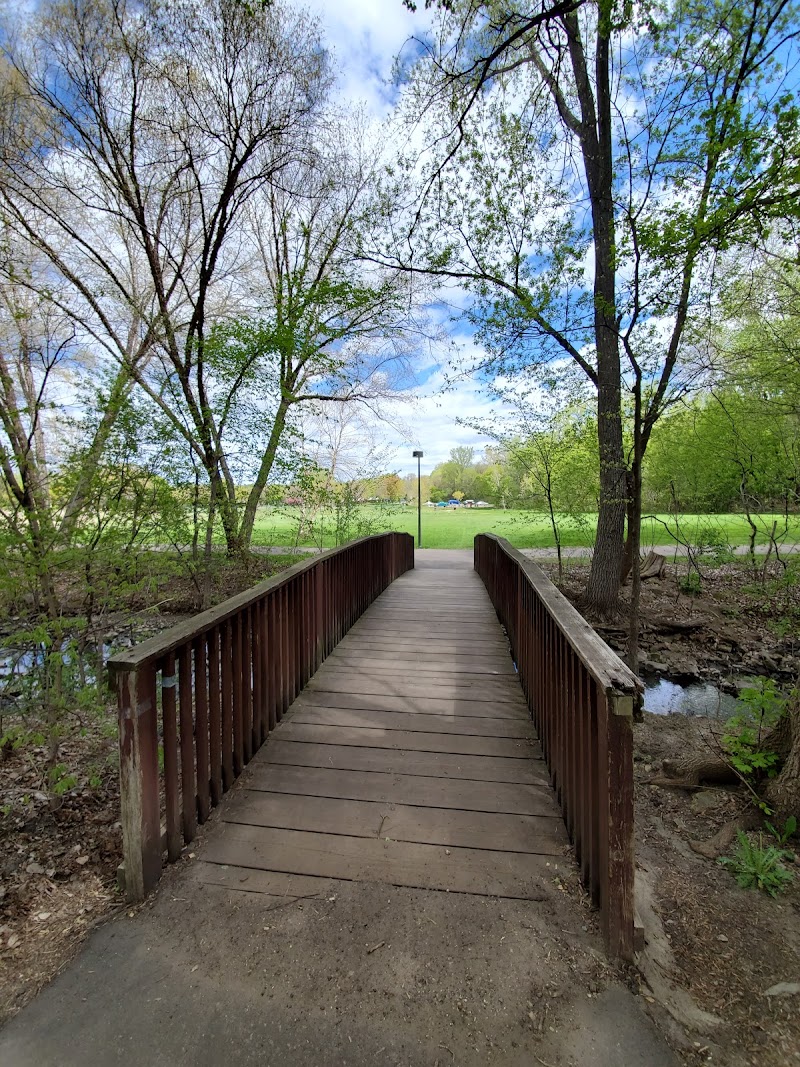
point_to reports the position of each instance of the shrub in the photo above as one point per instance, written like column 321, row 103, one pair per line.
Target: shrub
column 756, row 867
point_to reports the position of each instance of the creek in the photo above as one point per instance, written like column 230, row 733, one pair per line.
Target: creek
column 665, row 697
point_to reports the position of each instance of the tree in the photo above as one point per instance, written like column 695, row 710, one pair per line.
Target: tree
column 550, row 455
column 163, row 123
column 76, row 499
column 644, row 149
column 329, row 333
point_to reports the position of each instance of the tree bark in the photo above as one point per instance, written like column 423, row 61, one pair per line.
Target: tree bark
column 783, row 793
column 264, row 470
column 595, row 134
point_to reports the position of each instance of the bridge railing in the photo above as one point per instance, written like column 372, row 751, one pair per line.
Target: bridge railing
column 197, row 702
column 581, row 696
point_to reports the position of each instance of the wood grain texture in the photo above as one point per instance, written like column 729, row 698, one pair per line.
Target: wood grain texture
column 405, row 789
column 423, row 704
column 416, row 722
column 410, row 740
column 420, row 866
column 424, row 764
column 401, row 822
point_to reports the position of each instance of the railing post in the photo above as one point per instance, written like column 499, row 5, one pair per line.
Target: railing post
column 620, row 919
column 139, row 791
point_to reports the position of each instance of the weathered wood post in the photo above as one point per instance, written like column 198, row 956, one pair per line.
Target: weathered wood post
column 138, row 766
column 621, row 863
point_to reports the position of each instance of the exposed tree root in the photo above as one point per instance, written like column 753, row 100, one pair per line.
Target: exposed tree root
column 723, row 839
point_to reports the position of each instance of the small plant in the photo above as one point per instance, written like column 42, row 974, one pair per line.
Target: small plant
column 710, row 541
column 61, row 781
column 742, row 746
column 782, row 836
column 691, row 583
column 762, row 705
column 756, row 867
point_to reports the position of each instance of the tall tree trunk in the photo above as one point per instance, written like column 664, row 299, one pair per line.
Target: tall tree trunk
column 595, row 134
column 783, row 793
column 602, row 592
column 634, row 547
column 264, row 471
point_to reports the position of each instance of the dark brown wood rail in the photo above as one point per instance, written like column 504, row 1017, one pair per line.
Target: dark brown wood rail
column 198, row 701
column 581, row 696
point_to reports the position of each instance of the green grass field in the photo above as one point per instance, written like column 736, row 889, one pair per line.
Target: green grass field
column 442, row 528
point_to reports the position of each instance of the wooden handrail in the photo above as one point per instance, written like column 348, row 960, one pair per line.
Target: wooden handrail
column 197, row 702
column 581, row 696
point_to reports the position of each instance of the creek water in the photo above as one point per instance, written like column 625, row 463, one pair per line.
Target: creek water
column 663, row 697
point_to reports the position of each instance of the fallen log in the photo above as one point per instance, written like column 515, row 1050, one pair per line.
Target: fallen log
column 674, row 626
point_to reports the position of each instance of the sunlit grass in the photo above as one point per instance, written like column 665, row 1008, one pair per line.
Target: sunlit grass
column 443, row 528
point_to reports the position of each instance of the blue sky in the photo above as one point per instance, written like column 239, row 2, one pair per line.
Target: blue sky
column 366, row 36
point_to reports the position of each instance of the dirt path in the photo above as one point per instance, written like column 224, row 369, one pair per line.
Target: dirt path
column 360, row 974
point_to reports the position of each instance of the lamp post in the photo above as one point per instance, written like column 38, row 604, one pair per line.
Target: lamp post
column 418, row 456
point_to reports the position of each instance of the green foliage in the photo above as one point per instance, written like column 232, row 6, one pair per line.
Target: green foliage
column 710, row 541
column 691, row 584
column 756, row 867
column 743, row 740
column 782, row 836
column 60, row 779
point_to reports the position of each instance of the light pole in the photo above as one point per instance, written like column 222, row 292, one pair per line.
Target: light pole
column 418, row 456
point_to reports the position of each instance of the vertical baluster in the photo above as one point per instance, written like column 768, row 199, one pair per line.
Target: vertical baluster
column 619, row 819
column 172, row 799
column 299, row 634
column 602, row 800
column 246, row 653
column 238, row 710
column 587, row 800
column 185, row 698
column 260, row 659
column 201, row 728
column 289, row 635
column 594, row 803
column 567, row 736
column 273, row 657
column 319, row 615
column 215, row 715
column 139, row 779
column 283, row 627
column 227, row 705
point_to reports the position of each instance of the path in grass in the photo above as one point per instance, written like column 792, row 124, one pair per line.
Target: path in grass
column 444, row 528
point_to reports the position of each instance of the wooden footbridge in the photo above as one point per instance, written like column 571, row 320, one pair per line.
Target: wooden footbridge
column 435, row 726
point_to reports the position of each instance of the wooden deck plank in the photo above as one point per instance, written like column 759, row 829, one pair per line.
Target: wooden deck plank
column 539, row 835
column 349, row 681
column 280, row 887
column 436, row 664
column 474, row 726
column 404, row 789
column 458, row 870
column 433, row 645
column 424, row 703
column 409, row 740
column 425, row 764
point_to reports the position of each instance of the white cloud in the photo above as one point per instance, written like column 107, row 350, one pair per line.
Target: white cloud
column 429, row 413
column 365, row 36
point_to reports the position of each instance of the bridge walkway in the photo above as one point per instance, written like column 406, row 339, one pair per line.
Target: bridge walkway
column 408, row 759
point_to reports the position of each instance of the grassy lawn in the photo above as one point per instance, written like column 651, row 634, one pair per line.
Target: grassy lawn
column 442, row 528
